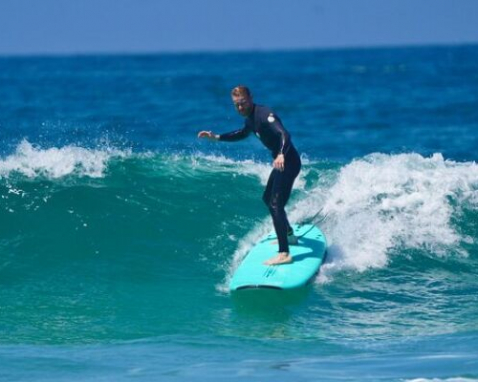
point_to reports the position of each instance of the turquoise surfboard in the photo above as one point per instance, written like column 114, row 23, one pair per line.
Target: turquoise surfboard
column 308, row 255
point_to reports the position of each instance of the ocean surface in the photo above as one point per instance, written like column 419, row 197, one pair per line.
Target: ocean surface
column 119, row 229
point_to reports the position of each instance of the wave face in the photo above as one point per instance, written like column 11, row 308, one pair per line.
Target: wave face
column 108, row 238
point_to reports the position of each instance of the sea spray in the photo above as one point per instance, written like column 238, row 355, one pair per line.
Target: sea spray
column 402, row 201
column 31, row 161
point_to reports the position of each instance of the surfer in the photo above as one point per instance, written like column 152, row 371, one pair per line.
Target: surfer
column 267, row 126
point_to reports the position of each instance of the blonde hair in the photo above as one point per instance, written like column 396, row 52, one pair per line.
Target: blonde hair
column 241, row 91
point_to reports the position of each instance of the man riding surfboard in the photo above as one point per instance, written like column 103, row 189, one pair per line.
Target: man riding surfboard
column 267, row 126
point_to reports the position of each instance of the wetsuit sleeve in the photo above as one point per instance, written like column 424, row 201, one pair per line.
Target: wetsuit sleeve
column 235, row 135
column 276, row 125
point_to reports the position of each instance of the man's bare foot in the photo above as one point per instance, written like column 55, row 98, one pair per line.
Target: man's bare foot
column 281, row 258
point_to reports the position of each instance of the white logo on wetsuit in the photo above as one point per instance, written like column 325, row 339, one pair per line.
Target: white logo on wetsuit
column 271, row 118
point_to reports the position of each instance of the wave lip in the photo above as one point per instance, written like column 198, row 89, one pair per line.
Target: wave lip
column 405, row 201
column 53, row 163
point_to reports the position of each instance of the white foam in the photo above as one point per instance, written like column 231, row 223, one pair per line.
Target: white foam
column 55, row 162
column 388, row 201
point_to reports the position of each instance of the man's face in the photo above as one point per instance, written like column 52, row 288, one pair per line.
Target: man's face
column 243, row 105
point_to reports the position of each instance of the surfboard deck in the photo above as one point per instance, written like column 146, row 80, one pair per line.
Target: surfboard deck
column 308, row 254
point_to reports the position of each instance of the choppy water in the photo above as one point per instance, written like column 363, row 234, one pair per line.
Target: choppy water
column 119, row 230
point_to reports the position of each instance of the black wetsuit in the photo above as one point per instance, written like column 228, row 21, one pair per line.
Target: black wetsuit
column 269, row 129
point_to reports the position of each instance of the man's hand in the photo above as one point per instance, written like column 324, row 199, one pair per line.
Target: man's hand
column 279, row 162
column 209, row 135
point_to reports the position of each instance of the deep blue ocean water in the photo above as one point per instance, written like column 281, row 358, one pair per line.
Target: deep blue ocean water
column 119, row 229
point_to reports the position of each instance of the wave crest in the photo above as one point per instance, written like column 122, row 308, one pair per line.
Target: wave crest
column 53, row 163
column 402, row 201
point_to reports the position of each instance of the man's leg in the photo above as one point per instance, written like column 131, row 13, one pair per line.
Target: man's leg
column 279, row 217
column 276, row 195
column 267, row 198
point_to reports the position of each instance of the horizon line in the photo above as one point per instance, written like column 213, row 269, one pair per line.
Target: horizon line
column 235, row 51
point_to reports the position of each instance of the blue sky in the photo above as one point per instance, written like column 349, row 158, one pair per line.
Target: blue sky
column 123, row 26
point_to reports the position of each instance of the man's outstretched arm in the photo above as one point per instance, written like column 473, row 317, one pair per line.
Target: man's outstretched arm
column 228, row 137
